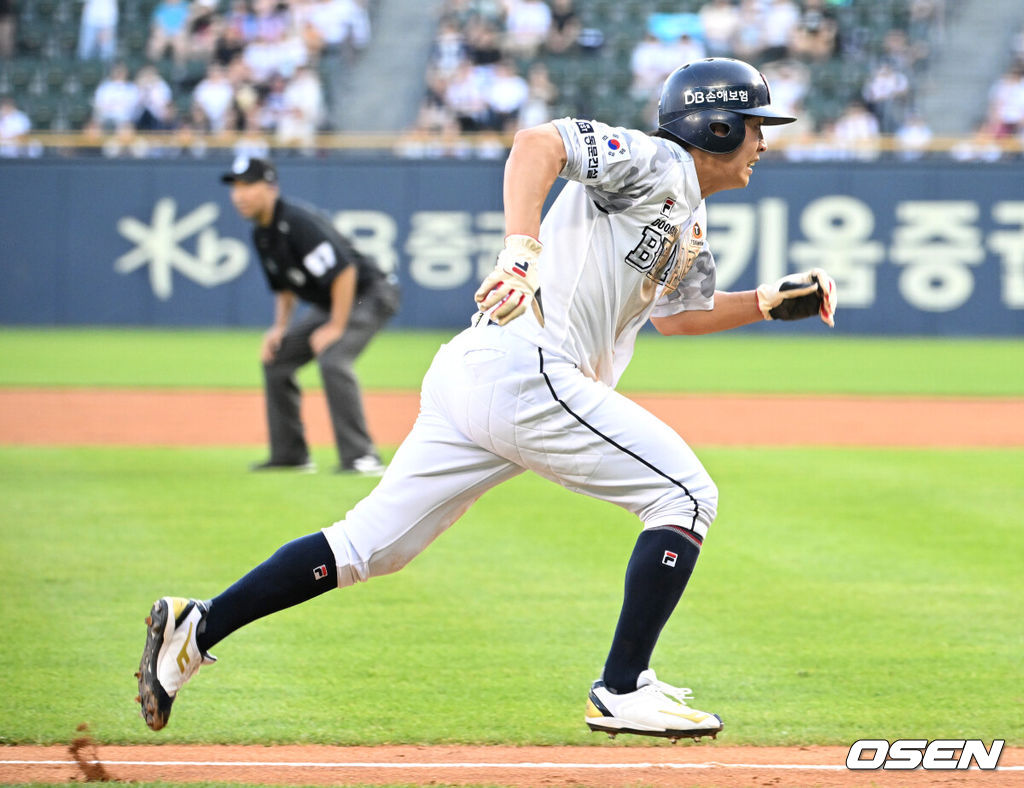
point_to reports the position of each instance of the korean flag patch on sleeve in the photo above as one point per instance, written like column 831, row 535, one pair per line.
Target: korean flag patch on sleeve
column 592, row 147
column 614, row 147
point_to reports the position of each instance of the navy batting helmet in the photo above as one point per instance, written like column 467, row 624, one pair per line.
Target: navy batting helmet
column 716, row 91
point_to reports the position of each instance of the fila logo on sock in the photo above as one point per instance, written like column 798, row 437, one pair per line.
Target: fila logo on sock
column 669, row 558
column 320, row 572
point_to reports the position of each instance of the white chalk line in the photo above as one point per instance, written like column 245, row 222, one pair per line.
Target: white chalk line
column 463, row 765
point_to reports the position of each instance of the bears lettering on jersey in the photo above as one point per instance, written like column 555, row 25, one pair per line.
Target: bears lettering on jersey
column 656, row 254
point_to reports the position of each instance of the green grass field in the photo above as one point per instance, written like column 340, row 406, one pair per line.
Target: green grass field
column 761, row 363
column 842, row 593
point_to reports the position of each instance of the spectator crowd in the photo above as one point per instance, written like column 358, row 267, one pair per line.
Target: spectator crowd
column 488, row 72
column 253, row 68
column 476, row 79
column 794, row 42
column 270, row 73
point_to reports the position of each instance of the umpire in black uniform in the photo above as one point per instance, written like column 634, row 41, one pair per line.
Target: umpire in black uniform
column 350, row 299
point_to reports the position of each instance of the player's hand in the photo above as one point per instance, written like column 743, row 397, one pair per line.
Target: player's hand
column 323, row 337
column 797, row 296
column 271, row 342
column 514, row 283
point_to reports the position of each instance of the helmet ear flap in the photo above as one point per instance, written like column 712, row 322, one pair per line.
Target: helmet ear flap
column 699, row 129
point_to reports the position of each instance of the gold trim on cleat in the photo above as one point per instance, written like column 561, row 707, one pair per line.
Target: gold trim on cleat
column 696, row 717
column 183, row 659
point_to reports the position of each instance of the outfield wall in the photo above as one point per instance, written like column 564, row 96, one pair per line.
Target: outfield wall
column 916, row 248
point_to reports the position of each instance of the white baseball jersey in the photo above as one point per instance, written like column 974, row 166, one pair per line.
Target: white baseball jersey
column 624, row 240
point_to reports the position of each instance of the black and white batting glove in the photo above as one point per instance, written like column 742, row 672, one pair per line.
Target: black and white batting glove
column 514, row 283
column 797, row 296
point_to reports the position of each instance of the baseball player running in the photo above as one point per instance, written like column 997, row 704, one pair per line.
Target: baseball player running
column 530, row 385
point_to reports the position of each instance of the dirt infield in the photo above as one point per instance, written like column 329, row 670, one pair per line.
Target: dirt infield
column 708, row 766
column 197, row 418
column 200, row 418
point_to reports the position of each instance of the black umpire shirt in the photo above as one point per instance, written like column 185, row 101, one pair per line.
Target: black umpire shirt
column 301, row 251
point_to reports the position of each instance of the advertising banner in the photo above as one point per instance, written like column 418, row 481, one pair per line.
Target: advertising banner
column 915, row 248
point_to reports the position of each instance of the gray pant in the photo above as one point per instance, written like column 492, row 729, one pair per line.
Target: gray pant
column 283, row 396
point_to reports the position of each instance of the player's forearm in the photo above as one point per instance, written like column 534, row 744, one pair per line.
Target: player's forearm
column 343, row 293
column 533, row 165
column 284, row 308
column 732, row 310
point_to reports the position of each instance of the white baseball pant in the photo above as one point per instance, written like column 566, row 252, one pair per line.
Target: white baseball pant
column 493, row 405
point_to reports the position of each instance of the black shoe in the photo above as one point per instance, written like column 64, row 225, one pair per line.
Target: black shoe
column 305, row 466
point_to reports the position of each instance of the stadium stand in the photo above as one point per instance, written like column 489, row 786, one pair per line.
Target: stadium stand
column 528, row 60
column 836, row 46
column 854, row 71
column 53, row 72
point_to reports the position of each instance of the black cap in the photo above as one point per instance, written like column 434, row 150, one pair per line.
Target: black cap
column 250, row 170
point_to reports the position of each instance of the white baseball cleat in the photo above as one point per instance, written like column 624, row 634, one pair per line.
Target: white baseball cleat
column 170, row 657
column 653, row 709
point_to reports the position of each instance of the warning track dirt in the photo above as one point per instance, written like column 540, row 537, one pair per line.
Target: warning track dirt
column 608, row 766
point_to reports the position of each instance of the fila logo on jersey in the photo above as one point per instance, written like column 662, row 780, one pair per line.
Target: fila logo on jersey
column 669, row 558
column 666, row 209
column 320, row 572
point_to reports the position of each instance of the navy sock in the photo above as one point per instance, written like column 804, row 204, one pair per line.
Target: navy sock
column 298, row 571
column 658, row 570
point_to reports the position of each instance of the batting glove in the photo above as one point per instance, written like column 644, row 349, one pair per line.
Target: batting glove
column 514, row 283
column 797, row 296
